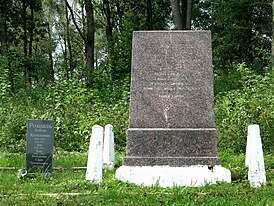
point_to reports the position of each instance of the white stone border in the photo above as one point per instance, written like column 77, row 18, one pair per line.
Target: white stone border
column 108, row 149
column 94, row 171
column 166, row 176
column 254, row 157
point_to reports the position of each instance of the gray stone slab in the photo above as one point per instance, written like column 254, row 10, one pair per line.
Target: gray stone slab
column 172, row 142
column 171, row 106
column 40, row 139
column 171, row 161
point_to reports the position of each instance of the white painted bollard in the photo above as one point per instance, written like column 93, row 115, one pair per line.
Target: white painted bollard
column 254, row 157
column 95, row 156
column 108, row 152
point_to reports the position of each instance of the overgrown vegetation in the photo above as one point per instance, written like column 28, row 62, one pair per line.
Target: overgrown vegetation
column 69, row 61
column 251, row 102
column 76, row 108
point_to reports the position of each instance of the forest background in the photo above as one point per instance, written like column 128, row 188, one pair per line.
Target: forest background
column 70, row 60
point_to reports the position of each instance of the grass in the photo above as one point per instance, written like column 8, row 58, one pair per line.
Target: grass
column 65, row 180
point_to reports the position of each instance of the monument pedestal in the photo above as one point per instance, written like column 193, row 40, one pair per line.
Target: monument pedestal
column 172, row 140
column 175, row 147
column 166, row 176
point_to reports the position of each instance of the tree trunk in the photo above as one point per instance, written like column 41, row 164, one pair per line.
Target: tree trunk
column 249, row 36
column 70, row 69
column 25, row 40
column 188, row 14
column 89, row 41
column 108, row 19
column 3, row 30
column 31, row 28
column 149, row 15
column 65, row 49
column 108, row 26
column 32, row 72
column 273, row 35
column 184, row 13
column 65, row 53
column 25, row 37
column 176, row 14
column 51, row 69
column 88, row 38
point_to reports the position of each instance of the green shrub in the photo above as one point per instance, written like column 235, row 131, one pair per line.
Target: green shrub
column 74, row 109
column 250, row 104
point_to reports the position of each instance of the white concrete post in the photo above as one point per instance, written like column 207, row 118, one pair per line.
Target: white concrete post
column 108, row 152
column 95, row 156
column 254, row 157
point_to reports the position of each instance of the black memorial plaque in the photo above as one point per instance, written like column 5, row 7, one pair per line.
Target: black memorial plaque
column 40, row 138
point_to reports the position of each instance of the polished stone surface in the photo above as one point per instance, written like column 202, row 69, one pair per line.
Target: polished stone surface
column 172, row 85
column 174, row 147
column 40, row 141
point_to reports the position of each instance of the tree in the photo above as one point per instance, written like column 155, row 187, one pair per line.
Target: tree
column 60, row 17
column 149, row 15
column 28, row 26
column 176, row 14
column 108, row 24
column 68, row 49
column 87, row 37
column 181, row 13
column 126, row 17
column 23, row 39
column 188, row 14
column 273, row 35
column 3, row 26
column 89, row 41
column 241, row 33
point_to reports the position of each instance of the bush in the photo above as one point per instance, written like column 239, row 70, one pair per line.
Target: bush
column 250, row 104
column 74, row 109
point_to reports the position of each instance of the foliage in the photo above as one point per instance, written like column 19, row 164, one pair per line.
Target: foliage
column 241, row 33
column 4, row 78
column 130, row 16
column 42, row 74
column 74, row 109
column 250, row 103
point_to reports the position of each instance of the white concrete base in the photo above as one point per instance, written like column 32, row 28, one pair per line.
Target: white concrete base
column 165, row 176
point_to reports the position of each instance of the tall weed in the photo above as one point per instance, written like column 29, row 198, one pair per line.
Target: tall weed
column 250, row 104
column 74, row 109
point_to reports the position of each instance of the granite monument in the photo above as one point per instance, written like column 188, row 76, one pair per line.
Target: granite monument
column 171, row 106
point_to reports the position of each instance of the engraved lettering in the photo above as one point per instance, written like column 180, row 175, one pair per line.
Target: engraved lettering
column 168, row 83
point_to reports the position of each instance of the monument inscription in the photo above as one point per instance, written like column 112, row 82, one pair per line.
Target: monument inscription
column 171, row 106
column 40, row 138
